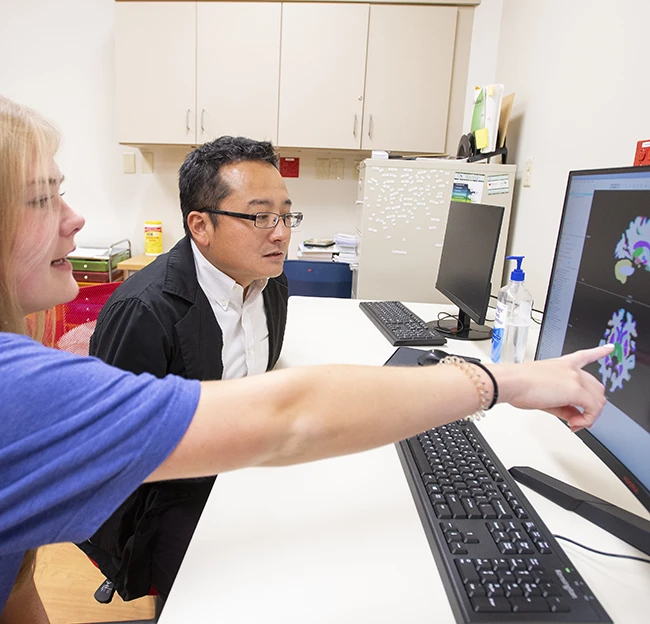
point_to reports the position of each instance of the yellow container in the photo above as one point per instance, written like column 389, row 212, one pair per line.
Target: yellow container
column 153, row 244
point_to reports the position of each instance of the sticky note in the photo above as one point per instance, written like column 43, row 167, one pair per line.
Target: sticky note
column 481, row 137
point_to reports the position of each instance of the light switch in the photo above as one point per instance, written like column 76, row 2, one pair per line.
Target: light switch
column 528, row 172
column 322, row 168
column 128, row 162
column 147, row 162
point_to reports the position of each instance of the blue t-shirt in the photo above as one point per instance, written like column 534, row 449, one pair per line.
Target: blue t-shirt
column 76, row 438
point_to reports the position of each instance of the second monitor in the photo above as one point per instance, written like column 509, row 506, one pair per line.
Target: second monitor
column 466, row 265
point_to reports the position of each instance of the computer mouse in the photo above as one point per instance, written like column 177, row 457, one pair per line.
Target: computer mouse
column 435, row 355
column 432, row 357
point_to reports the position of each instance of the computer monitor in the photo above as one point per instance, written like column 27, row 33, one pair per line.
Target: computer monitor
column 599, row 292
column 465, row 270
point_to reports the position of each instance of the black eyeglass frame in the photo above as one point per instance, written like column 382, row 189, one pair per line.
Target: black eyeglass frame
column 253, row 217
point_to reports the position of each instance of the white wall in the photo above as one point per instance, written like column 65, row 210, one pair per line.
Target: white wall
column 578, row 70
column 580, row 75
column 483, row 53
column 58, row 58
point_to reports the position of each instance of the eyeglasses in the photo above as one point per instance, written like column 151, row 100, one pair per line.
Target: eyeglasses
column 264, row 220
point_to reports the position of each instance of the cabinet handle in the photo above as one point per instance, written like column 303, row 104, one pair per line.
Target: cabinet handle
column 370, row 126
column 187, row 120
column 354, row 128
column 202, row 115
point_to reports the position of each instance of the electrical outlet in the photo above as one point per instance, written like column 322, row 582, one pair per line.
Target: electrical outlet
column 337, row 167
column 322, row 168
column 528, row 171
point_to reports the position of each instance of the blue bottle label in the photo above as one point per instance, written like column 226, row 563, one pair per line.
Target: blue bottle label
column 498, row 331
column 497, row 339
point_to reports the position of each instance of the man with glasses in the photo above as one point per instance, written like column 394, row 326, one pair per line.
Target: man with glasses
column 214, row 307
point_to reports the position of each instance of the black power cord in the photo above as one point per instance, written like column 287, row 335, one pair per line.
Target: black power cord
column 600, row 552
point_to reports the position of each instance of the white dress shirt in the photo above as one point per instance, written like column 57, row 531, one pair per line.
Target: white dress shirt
column 243, row 322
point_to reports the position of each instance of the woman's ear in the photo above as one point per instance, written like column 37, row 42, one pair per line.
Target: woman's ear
column 200, row 227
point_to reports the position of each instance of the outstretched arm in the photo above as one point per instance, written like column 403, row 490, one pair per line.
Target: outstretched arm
column 304, row 414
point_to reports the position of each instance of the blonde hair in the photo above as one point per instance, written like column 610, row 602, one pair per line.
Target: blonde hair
column 27, row 144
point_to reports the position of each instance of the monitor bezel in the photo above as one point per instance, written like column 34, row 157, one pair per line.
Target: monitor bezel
column 640, row 491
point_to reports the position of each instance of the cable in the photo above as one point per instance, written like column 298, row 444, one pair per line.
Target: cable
column 443, row 316
column 600, row 552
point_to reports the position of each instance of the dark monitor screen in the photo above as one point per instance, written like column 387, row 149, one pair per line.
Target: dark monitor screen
column 599, row 292
column 466, row 264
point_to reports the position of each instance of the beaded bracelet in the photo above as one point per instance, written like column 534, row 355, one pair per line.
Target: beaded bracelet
column 484, row 394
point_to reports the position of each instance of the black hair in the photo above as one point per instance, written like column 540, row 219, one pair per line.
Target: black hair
column 199, row 178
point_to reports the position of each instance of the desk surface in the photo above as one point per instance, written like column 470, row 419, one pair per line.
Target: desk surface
column 340, row 540
column 136, row 262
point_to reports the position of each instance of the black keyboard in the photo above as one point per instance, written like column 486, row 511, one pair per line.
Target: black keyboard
column 498, row 561
column 402, row 327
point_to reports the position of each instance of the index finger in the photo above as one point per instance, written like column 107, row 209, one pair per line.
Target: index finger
column 587, row 356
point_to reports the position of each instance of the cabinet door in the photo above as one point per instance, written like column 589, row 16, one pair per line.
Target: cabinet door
column 155, row 66
column 238, row 69
column 322, row 74
column 408, row 77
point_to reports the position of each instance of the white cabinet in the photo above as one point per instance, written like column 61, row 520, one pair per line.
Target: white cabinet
column 322, row 74
column 238, row 69
column 390, row 65
column 408, row 77
column 155, row 65
column 343, row 75
column 188, row 72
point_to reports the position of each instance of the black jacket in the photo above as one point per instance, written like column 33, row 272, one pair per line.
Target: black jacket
column 160, row 321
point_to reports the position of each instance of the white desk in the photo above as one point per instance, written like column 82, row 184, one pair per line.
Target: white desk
column 340, row 540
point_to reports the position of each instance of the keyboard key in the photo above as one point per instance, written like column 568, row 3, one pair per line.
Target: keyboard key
column 457, row 510
column 470, row 507
column 558, row 605
column 491, row 605
column 420, row 458
column 457, row 548
column 442, row 511
column 474, row 589
column 530, row 605
column 467, row 571
column 453, row 536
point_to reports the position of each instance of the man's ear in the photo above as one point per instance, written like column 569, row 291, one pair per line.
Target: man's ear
column 200, row 227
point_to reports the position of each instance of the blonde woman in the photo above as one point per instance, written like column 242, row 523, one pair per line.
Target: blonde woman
column 78, row 436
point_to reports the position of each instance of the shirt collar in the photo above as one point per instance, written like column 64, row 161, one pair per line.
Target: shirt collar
column 221, row 289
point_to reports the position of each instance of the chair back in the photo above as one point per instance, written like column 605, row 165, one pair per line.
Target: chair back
column 75, row 321
column 319, row 279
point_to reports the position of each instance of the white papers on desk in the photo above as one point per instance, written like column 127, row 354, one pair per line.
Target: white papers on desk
column 338, row 252
column 315, row 253
column 346, row 240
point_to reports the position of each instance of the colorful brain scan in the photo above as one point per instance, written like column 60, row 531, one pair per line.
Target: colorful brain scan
column 616, row 367
column 633, row 250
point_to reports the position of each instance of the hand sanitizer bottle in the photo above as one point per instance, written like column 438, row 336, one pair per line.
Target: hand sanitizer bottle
column 512, row 318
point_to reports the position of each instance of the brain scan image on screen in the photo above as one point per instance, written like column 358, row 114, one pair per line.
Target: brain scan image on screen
column 633, row 249
column 615, row 368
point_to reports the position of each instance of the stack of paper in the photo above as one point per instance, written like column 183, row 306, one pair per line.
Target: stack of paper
column 347, row 245
column 305, row 252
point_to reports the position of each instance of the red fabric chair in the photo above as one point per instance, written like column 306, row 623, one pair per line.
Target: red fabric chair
column 71, row 324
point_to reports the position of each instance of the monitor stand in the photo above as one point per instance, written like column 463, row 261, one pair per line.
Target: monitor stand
column 625, row 525
column 462, row 328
